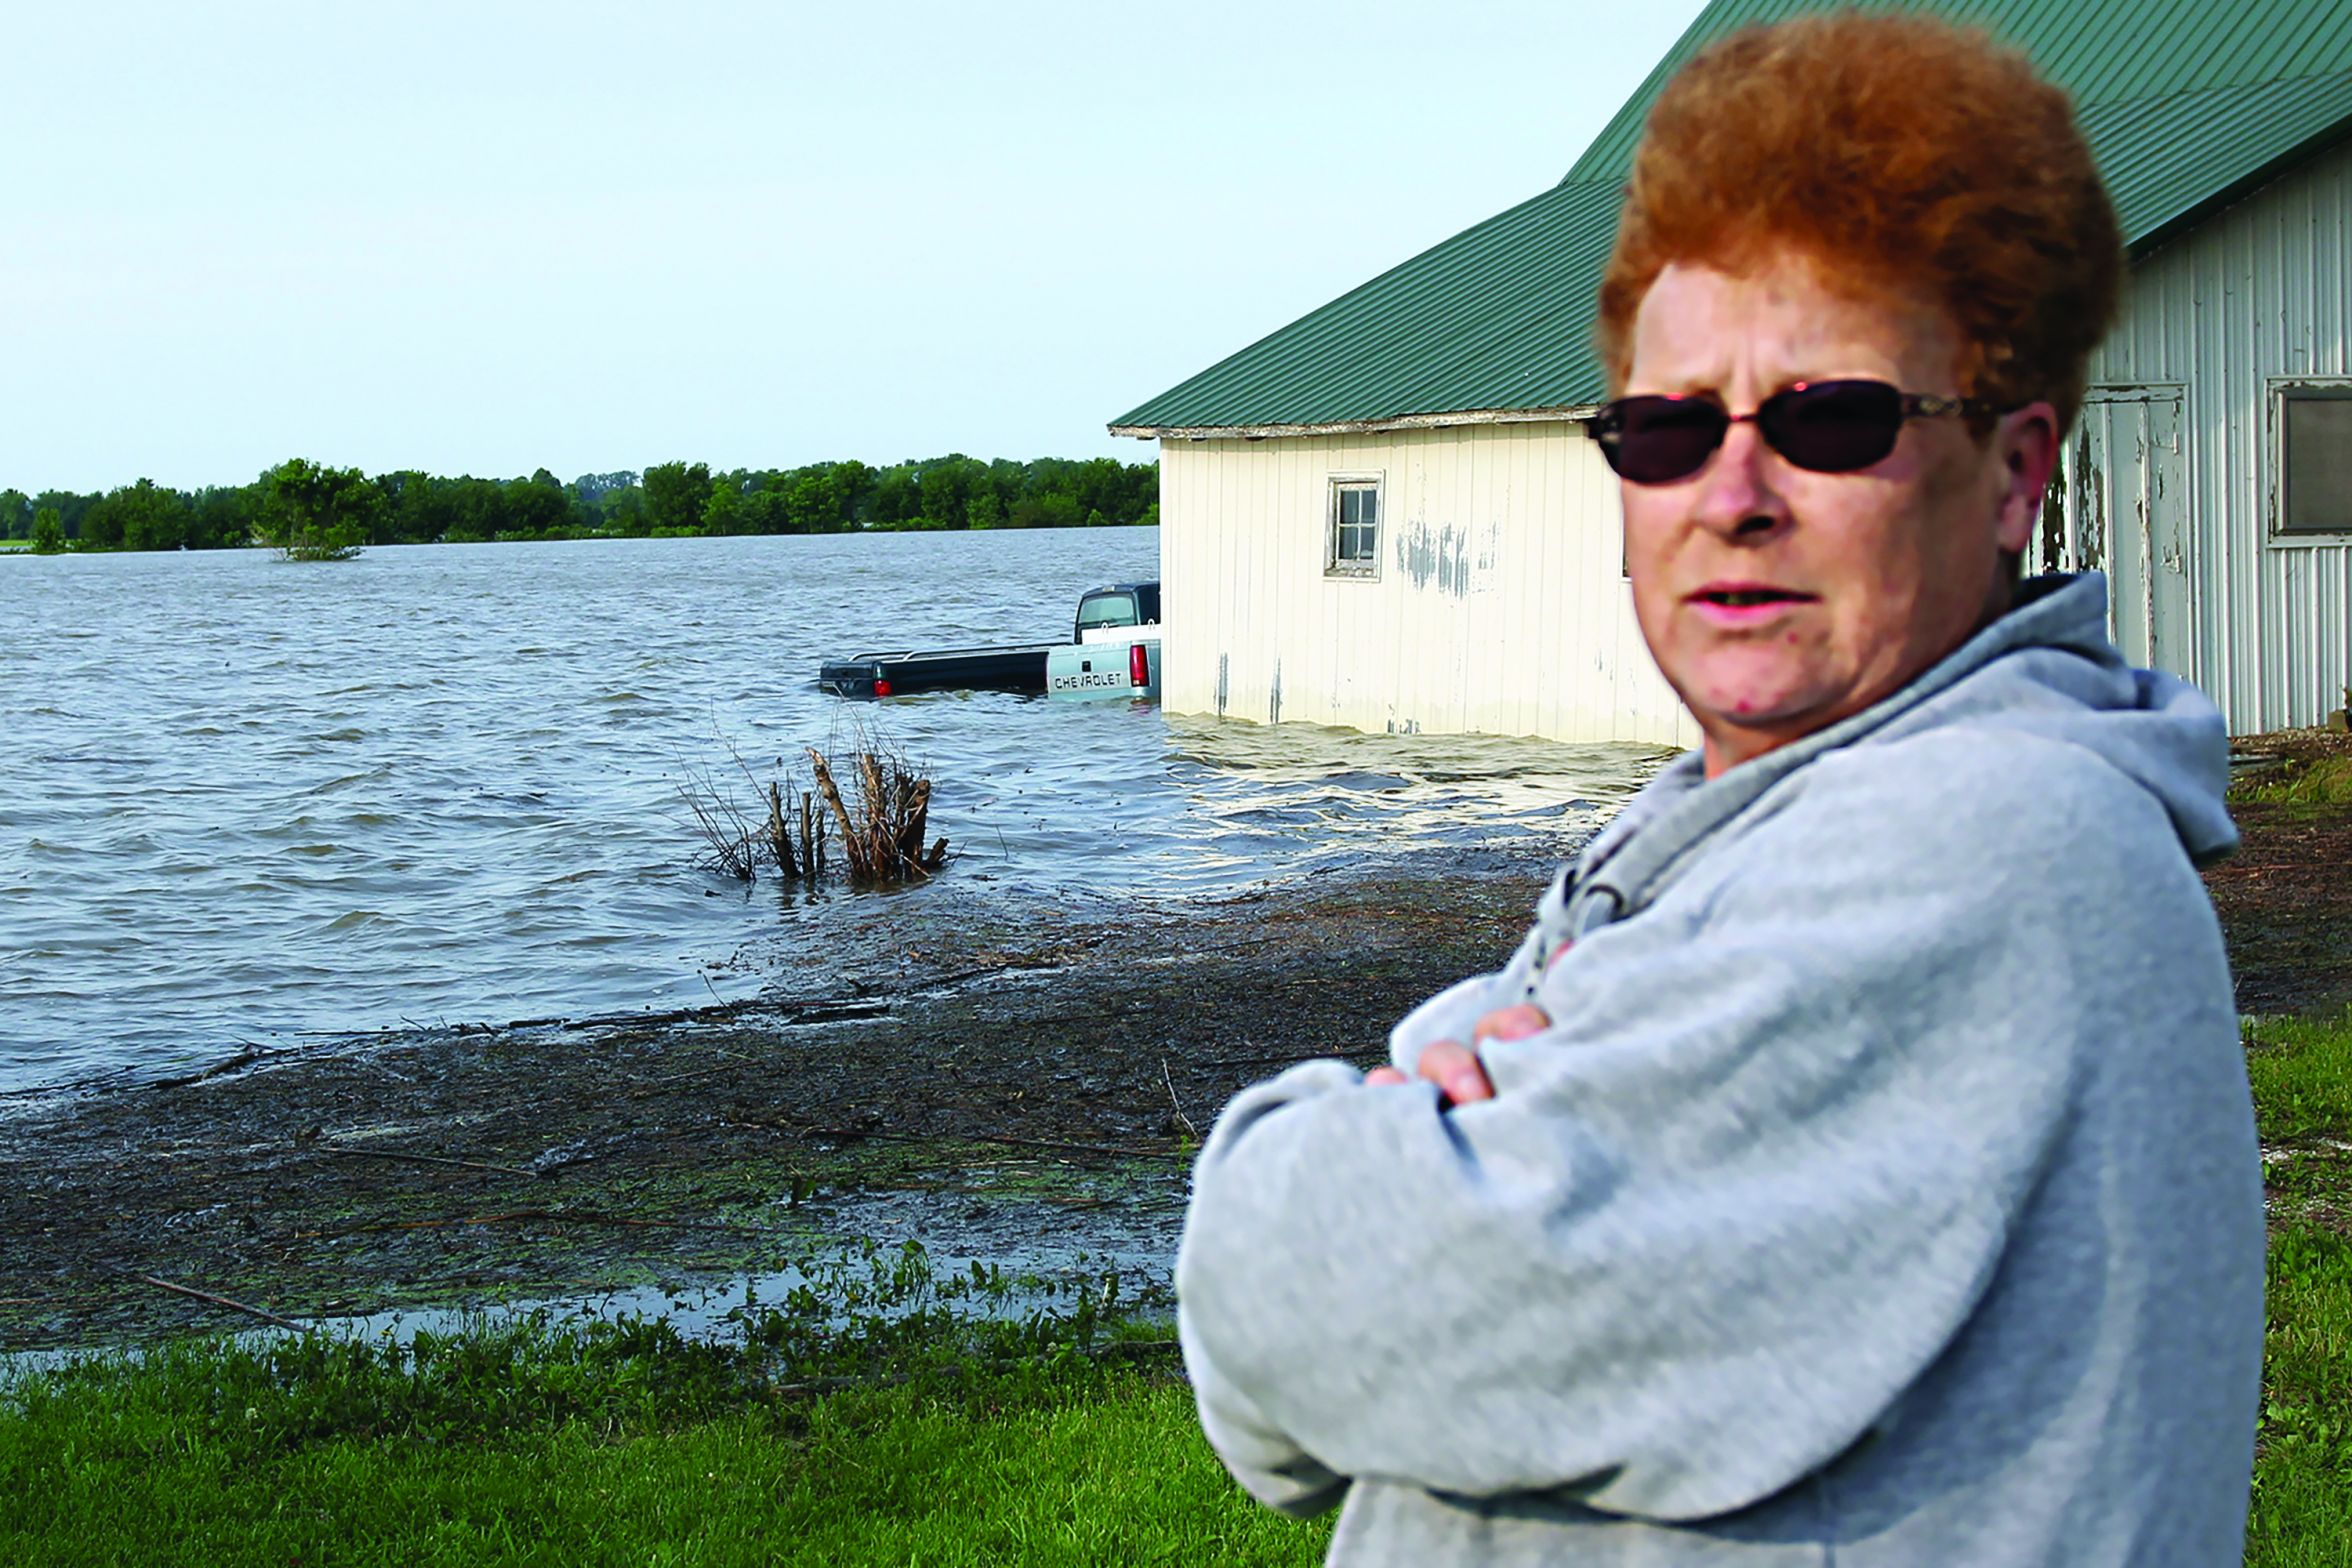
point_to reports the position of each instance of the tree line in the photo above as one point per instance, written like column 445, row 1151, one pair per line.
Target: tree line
column 345, row 508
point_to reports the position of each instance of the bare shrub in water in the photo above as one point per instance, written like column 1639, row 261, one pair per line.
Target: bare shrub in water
column 882, row 837
column 881, row 820
column 727, row 840
column 738, row 844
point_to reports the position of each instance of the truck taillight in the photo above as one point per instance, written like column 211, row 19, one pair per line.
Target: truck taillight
column 1138, row 664
column 881, row 688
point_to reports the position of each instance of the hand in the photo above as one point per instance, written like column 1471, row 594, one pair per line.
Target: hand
column 1455, row 1069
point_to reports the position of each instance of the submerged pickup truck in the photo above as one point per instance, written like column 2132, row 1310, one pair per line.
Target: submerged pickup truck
column 1117, row 653
column 1118, row 611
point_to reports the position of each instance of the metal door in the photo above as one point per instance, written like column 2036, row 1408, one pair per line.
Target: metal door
column 2119, row 505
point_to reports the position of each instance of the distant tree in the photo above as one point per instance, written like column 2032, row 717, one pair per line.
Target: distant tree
column 765, row 511
column 415, row 511
column 101, row 525
column 412, row 507
column 476, row 508
column 724, row 512
column 855, row 481
column 48, row 532
column 744, row 502
column 223, row 517
column 623, row 512
column 69, row 508
column 608, row 503
column 895, row 502
column 675, row 495
column 1052, row 509
column 536, row 508
column 946, row 484
column 314, row 513
column 144, row 516
column 1100, row 486
column 595, row 487
column 814, row 502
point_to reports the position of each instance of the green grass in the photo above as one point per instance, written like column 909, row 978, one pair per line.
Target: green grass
column 1095, row 1466
column 2302, row 1074
column 882, row 1414
column 2301, row 1070
column 2320, row 781
column 2303, row 1477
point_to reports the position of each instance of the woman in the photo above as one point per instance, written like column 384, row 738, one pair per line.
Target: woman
column 1855, row 1163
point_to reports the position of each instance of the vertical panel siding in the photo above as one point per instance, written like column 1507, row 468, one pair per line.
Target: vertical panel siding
column 2259, row 292
column 1498, row 606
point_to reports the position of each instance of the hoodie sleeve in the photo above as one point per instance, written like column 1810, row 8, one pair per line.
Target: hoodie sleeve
column 1726, row 1209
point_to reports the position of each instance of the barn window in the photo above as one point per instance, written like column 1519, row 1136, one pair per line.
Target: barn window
column 1352, row 536
column 2315, row 458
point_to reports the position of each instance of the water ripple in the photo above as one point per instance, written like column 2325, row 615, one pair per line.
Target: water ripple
column 259, row 800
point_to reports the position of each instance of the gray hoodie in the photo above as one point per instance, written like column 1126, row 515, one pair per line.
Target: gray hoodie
column 1884, row 1190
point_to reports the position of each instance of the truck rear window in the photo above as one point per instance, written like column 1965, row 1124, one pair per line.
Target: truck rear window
column 1105, row 609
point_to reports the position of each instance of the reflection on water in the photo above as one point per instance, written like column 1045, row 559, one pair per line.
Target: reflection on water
column 1136, row 804
column 1301, row 795
column 243, row 801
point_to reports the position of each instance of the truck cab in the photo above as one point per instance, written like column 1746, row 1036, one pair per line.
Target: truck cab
column 1114, row 647
column 1120, row 604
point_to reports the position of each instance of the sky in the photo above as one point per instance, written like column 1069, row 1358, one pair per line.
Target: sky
column 492, row 237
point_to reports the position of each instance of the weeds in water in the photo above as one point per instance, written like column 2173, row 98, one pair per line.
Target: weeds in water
column 882, row 834
column 880, row 823
column 730, row 844
column 736, row 844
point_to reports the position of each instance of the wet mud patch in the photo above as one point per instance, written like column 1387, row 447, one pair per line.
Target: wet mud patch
column 2285, row 901
column 2285, row 898
column 1020, row 1088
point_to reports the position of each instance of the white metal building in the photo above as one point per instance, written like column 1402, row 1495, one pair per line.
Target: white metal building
column 1383, row 516
column 2211, row 473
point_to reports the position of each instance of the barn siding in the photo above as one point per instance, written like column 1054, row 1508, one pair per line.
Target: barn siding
column 2255, row 295
column 1499, row 606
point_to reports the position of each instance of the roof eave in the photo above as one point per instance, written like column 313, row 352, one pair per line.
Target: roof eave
column 2159, row 235
column 1554, row 414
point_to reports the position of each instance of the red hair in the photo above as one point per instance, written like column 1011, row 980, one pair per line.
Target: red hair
column 1908, row 159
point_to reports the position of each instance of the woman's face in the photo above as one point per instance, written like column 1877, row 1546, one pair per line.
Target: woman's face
column 1777, row 600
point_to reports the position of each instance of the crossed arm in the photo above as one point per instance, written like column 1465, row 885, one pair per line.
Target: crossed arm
column 1455, row 1068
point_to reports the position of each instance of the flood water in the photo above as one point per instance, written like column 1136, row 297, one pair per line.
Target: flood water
column 246, row 801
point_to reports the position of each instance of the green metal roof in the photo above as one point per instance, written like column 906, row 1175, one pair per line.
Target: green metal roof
column 2187, row 103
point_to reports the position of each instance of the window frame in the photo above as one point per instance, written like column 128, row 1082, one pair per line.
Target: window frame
column 2284, row 395
column 1353, row 569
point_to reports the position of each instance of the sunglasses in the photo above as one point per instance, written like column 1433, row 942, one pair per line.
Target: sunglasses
column 1828, row 427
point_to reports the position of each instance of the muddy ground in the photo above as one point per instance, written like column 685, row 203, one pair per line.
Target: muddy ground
column 1007, row 1091
column 2285, row 898
column 1011, row 1089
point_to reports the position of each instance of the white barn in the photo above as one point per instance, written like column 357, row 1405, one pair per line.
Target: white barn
column 1383, row 516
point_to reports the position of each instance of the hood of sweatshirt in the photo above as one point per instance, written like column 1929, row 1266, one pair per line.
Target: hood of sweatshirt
column 2046, row 669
